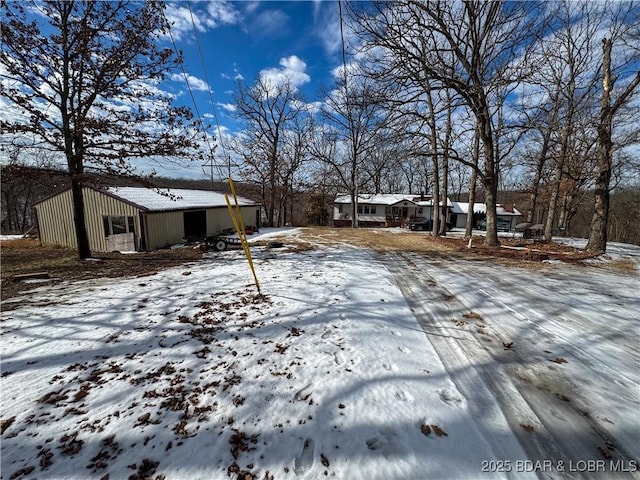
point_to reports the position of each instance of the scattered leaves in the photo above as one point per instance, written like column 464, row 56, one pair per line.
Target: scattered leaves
column 45, row 458
column 6, row 423
column 606, row 451
column 559, row 360
column 280, row 348
column 23, row 472
column 53, row 397
column 438, row 431
column 295, row 332
column 70, row 443
column 239, row 442
column 324, row 460
column 145, row 471
column 83, row 392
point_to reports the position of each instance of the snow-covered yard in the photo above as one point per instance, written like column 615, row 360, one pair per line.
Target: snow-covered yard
column 348, row 365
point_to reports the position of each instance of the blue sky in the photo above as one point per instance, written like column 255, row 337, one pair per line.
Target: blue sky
column 246, row 39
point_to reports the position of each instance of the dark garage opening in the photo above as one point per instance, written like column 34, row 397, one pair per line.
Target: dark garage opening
column 195, row 224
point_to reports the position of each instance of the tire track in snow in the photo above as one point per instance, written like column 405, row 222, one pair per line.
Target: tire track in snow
column 573, row 318
column 482, row 373
column 539, row 312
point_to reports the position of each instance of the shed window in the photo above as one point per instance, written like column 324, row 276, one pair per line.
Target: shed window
column 114, row 225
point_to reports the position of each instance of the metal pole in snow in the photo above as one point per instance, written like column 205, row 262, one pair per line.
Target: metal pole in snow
column 238, row 223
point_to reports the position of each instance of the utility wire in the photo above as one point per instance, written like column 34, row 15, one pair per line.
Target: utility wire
column 193, row 99
column 206, row 78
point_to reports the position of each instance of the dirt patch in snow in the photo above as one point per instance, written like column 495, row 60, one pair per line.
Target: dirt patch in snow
column 27, row 257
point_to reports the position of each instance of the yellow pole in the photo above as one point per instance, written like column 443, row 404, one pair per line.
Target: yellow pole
column 238, row 223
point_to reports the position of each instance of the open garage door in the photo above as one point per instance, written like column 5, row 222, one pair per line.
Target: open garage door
column 195, row 224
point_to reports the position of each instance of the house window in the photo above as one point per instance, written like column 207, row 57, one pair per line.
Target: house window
column 114, row 225
column 367, row 209
column 340, row 208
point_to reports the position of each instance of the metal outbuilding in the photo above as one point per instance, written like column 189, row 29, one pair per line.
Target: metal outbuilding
column 139, row 219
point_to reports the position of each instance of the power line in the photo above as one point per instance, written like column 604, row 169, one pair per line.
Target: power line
column 206, row 78
column 195, row 105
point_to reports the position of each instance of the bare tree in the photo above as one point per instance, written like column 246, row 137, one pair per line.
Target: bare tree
column 609, row 107
column 567, row 58
column 80, row 77
column 354, row 121
column 267, row 108
column 470, row 47
column 475, row 158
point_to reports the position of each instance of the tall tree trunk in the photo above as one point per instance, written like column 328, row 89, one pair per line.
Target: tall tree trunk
column 445, row 169
column 490, row 180
column 599, row 222
column 433, row 138
column 553, row 200
column 272, row 190
column 564, row 153
column 468, row 232
column 78, row 218
column 542, row 158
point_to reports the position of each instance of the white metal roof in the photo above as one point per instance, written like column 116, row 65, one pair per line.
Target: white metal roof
column 463, row 208
column 173, row 199
column 388, row 199
column 379, row 199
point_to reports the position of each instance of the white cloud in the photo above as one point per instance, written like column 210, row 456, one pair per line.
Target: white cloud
column 229, row 107
column 327, row 26
column 251, row 7
column 194, row 82
column 237, row 75
column 221, row 12
column 183, row 20
column 292, row 69
column 270, row 23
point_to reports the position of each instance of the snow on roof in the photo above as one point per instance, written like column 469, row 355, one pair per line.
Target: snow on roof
column 463, row 208
column 379, row 199
column 173, row 199
column 390, row 199
column 501, row 209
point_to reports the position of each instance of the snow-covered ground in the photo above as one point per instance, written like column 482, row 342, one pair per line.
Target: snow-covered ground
column 348, row 365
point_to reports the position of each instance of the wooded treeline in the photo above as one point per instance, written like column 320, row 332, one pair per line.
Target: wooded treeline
column 443, row 97
column 22, row 186
column 470, row 100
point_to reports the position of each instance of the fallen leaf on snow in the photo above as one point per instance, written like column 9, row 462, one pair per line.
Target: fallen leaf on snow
column 558, row 360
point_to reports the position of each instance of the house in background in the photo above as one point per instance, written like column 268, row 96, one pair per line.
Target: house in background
column 384, row 210
column 506, row 216
column 138, row 219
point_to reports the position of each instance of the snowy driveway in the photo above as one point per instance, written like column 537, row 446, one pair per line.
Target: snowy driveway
column 557, row 348
column 351, row 365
